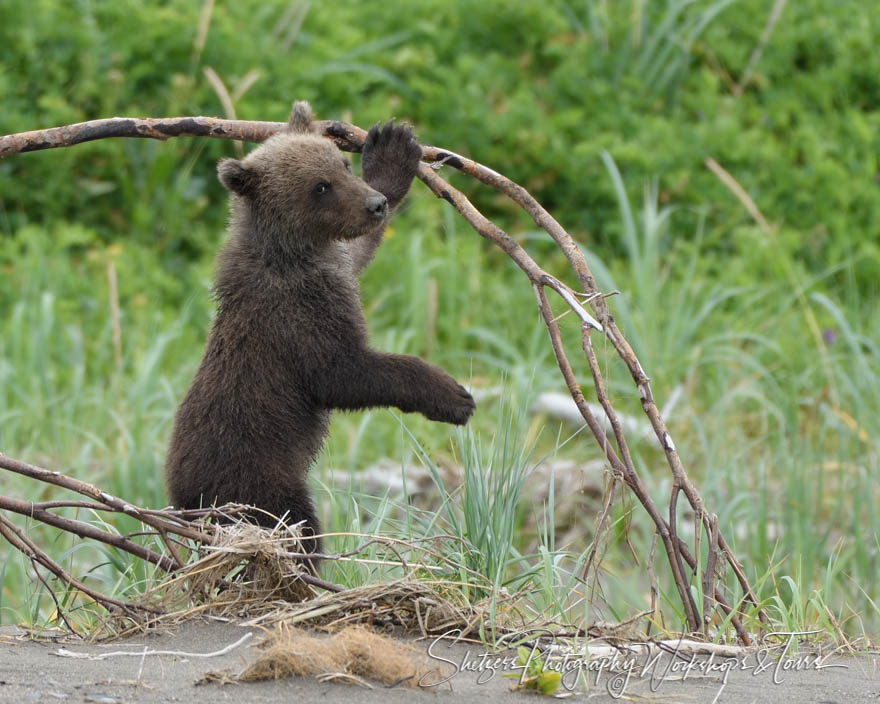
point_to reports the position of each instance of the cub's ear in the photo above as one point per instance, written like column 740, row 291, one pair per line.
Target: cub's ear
column 300, row 117
column 237, row 176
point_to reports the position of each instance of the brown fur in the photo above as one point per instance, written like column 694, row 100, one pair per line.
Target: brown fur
column 289, row 342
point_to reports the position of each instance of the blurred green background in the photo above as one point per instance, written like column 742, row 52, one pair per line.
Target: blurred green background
column 606, row 110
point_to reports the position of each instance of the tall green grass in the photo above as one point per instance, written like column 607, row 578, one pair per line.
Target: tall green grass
column 655, row 39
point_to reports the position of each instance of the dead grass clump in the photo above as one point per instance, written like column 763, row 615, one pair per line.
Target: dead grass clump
column 254, row 574
column 354, row 654
column 412, row 606
column 245, row 571
column 250, row 563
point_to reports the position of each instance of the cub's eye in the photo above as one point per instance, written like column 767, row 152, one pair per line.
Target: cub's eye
column 322, row 188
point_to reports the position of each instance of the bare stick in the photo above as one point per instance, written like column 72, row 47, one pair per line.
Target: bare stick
column 85, row 530
column 709, row 575
column 65, row 653
column 21, row 542
column 58, row 608
column 108, row 500
column 652, row 579
column 690, row 608
column 153, row 518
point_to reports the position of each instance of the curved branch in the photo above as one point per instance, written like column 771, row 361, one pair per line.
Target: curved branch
column 146, row 127
column 350, row 138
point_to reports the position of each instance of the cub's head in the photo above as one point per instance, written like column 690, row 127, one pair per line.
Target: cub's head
column 299, row 187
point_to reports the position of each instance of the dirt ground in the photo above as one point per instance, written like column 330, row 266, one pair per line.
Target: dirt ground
column 35, row 672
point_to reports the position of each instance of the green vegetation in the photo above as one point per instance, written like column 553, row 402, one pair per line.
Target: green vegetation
column 606, row 112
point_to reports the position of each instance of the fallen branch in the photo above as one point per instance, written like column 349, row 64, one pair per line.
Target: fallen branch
column 348, row 137
column 107, row 501
column 170, row 525
column 86, row 530
column 23, row 544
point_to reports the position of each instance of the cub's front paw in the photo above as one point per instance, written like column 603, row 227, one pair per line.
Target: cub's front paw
column 392, row 144
column 391, row 159
column 456, row 406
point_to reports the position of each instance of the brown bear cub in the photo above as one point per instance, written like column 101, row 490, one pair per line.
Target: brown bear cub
column 289, row 342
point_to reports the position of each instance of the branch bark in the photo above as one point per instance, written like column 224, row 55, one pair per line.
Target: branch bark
column 86, row 530
column 144, row 127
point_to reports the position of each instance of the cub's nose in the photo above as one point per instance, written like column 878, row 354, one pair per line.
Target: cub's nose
column 377, row 205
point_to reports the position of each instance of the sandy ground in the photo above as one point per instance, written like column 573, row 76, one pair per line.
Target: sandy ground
column 35, row 672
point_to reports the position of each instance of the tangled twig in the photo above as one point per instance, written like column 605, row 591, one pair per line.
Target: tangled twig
column 170, row 525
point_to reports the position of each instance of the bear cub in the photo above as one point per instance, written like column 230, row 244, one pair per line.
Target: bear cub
column 289, row 341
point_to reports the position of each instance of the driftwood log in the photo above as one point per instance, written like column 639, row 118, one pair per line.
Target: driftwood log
column 682, row 558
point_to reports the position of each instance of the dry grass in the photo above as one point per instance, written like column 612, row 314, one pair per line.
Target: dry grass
column 246, row 571
column 251, row 574
column 413, row 606
column 245, row 566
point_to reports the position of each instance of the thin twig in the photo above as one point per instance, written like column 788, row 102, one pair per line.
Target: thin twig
column 690, row 608
column 709, row 575
column 146, row 652
column 111, row 502
column 58, row 608
column 652, row 580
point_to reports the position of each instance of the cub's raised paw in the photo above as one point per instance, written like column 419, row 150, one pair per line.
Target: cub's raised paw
column 395, row 144
column 391, row 159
